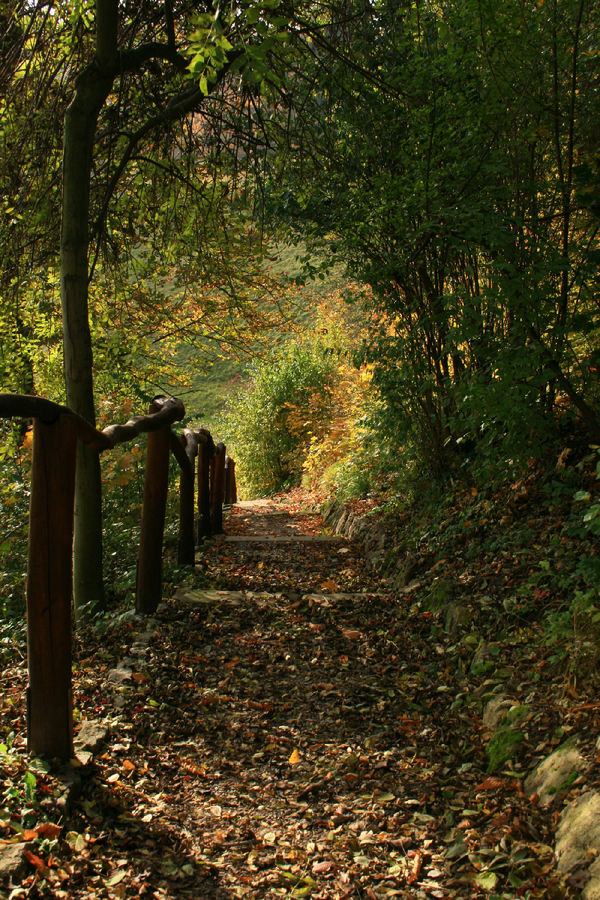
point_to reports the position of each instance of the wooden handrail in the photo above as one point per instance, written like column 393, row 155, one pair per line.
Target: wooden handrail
column 56, row 430
column 156, row 485
column 49, row 587
column 230, row 482
column 27, row 406
column 168, row 410
column 217, row 489
column 164, row 412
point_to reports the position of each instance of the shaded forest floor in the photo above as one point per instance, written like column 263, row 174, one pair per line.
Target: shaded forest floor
column 292, row 725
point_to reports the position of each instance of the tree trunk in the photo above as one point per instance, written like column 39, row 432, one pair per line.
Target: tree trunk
column 93, row 87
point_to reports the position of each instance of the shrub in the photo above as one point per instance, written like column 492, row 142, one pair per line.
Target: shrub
column 271, row 422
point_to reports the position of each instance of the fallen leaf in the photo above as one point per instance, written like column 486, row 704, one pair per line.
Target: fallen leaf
column 325, row 865
column 486, row 880
column 36, row 861
column 384, row 797
column 329, row 585
column 294, row 758
column 48, row 830
column 416, row 867
column 351, row 634
column 490, row 784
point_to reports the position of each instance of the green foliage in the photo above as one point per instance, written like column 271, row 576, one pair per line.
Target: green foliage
column 503, row 747
column 245, row 38
column 572, row 626
column 437, row 183
column 591, row 516
column 354, row 476
column 15, row 450
column 269, row 425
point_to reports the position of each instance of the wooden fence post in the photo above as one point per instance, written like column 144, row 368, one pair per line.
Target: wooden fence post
column 205, row 453
column 230, row 485
column 186, row 551
column 49, row 589
column 218, row 490
column 226, row 487
column 156, row 482
column 233, row 484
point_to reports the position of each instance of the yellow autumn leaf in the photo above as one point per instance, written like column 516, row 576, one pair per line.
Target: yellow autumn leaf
column 294, row 758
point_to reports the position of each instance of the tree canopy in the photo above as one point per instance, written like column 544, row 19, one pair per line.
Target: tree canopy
column 444, row 153
column 450, row 167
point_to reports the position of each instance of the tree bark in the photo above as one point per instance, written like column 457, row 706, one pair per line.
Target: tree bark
column 93, row 87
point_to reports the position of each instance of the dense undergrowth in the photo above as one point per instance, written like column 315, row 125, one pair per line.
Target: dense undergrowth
column 524, row 549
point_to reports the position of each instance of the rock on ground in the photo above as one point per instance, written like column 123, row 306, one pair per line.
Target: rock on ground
column 578, row 834
column 554, row 773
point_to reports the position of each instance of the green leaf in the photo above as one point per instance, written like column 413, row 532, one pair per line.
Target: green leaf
column 30, row 782
column 486, row 880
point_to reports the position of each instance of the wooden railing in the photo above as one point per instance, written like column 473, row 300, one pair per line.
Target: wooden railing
column 56, row 430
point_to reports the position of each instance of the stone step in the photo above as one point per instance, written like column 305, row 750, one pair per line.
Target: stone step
column 277, row 538
column 208, row 598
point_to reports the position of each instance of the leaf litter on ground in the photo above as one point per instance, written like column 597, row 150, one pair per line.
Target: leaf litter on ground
column 275, row 745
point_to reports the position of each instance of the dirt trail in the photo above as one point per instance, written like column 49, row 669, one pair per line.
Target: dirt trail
column 291, row 731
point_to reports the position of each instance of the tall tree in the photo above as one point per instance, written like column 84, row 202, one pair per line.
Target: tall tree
column 442, row 170
column 119, row 74
column 145, row 85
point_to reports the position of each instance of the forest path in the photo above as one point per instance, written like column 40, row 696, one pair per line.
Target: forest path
column 286, row 727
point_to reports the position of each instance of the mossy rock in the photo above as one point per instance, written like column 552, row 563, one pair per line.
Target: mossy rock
column 556, row 773
column 440, row 594
column 503, row 747
column 504, row 742
column 457, row 616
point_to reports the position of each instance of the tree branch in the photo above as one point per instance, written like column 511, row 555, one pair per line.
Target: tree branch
column 170, row 23
column 178, row 107
column 133, row 60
